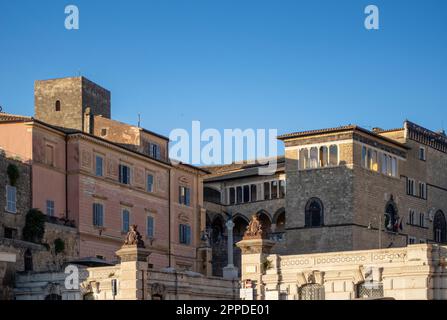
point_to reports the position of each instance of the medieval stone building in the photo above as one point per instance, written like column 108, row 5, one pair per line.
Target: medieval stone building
column 235, row 192
column 349, row 188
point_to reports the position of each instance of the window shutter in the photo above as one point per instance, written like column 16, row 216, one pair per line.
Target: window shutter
column 187, row 196
column 188, row 234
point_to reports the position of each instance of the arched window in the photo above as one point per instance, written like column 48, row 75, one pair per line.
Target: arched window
column 314, row 216
column 439, row 227
column 314, row 157
column 58, row 105
column 324, row 156
column 304, row 159
column 28, row 258
column 391, row 217
column 333, row 155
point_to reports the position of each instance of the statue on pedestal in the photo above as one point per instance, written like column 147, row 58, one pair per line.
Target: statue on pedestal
column 255, row 229
column 133, row 237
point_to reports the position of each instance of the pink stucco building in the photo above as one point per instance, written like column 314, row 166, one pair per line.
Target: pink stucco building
column 106, row 175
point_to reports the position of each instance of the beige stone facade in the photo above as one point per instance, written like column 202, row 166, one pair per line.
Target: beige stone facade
column 129, row 280
column 416, row 272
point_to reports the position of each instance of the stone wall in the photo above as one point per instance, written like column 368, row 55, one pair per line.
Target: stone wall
column 75, row 96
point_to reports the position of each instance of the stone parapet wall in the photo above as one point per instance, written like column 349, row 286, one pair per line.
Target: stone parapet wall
column 413, row 272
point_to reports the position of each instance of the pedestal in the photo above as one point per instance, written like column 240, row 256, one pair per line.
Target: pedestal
column 254, row 256
column 133, row 275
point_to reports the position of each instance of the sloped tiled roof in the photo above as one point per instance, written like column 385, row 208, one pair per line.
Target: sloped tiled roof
column 340, row 129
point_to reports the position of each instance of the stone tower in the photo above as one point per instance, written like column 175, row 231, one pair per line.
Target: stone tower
column 70, row 102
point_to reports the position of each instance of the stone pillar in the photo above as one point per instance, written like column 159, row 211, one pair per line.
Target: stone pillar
column 255, row 254
column 230, row 271
column 133, row 273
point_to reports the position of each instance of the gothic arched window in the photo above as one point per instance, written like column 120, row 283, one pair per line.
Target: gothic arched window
column 439, row 227
column 314, row 216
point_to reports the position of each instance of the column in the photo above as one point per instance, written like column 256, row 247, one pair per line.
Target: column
column 230, row 271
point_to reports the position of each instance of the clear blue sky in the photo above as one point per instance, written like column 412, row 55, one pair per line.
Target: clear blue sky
column 291, row 65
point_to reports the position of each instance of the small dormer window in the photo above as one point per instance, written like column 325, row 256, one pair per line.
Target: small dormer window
column 58, row 105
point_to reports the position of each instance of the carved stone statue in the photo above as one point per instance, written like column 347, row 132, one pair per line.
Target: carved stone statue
column 134, row 237
column 255, row 229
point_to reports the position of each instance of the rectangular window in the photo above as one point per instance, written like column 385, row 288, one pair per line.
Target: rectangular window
column 124, row 175
column 422, row 190
column 266, row 190
column 11, row 199
column 98, row 215
column 184, row 196
column 384, row 163
column 49, row 155
column 364, row 159
column 246, row 193
column 184, row 234
column 125, row 220
column 393, row 167
column 10, row 233
column 410, row 187
column 232, row 196
column 239, row 194
column 150, row 227
column 411, row 240
column 253, row 193
column 411, row 217
column 154, row 151
column 50, row 208
column 150, row 183
column 282, row 188
column 421, row 219
column 274, row 189
column 99, row 166
column 422, row 154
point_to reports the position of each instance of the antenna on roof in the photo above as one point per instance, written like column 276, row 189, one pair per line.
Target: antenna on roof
column 139, row 120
